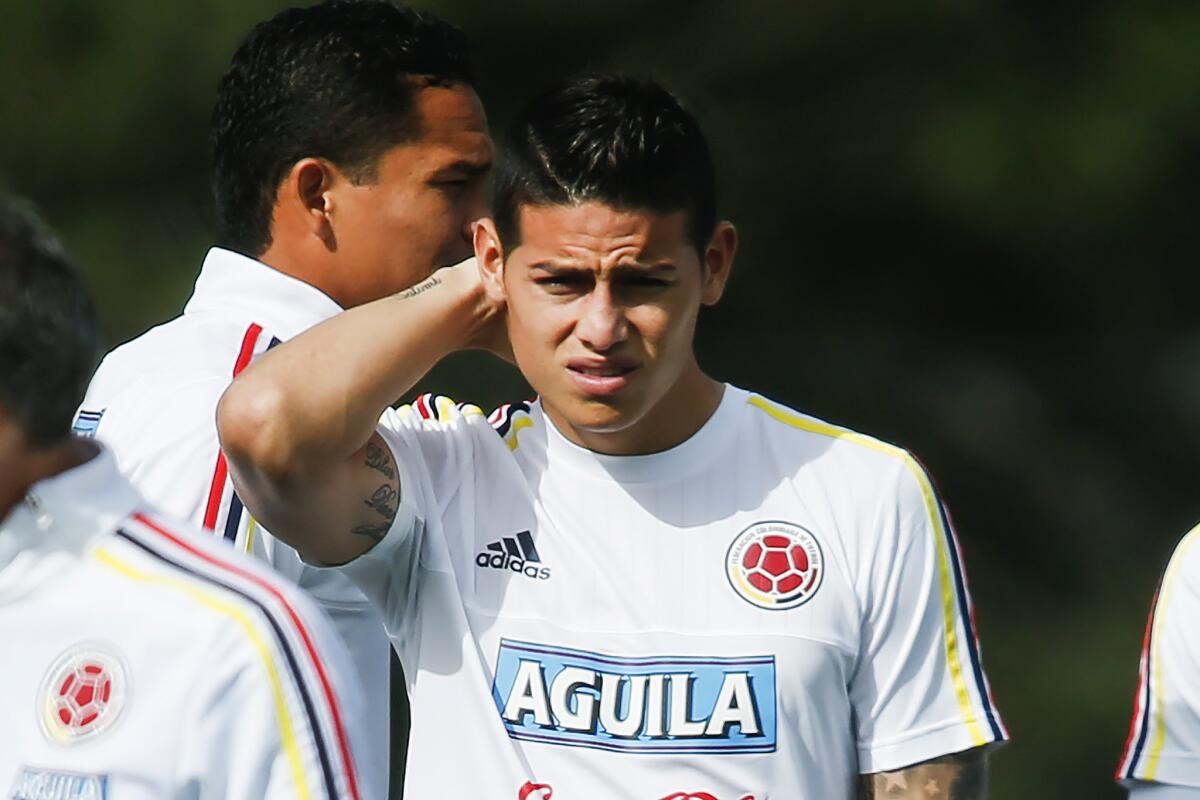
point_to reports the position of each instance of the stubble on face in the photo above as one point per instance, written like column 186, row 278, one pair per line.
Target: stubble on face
column 413, row 215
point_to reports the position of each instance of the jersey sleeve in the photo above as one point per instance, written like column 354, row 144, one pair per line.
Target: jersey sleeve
column 1162, row 791
column 1163, row 745
column 277, row 714
column 918, row 687
column 434, row 443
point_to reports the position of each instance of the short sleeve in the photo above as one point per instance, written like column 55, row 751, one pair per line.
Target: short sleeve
column 918, row 688
column 433, row 442
column 1162, row 791
column 277, row 713
column 1163, row 744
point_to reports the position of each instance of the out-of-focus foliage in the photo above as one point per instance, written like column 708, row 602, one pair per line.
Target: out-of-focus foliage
column 965, row 228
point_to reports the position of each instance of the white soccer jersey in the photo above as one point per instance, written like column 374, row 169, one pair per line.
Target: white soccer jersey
column 153, row 401
column 1163, row 745
column 765, row 611
column 144, row 661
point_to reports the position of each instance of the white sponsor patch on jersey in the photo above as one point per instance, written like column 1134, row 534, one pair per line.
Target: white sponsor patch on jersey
column 46, row 784
column 86, row 423
column 660, row 704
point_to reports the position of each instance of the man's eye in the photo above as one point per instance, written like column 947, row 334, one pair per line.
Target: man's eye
column 643, row 281
column 561, row 282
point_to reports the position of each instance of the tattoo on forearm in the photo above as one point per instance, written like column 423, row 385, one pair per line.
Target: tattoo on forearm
column 376, row 532
column 385, row 499
column 379, row 460
column 420, row 288
column 383, row 502
column 962, row 776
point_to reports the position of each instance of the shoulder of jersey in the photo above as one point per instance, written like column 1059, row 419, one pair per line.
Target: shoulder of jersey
column 168, row 559
column 269, row 621
column 437, row 409
column 181, row 351
column 781, row 424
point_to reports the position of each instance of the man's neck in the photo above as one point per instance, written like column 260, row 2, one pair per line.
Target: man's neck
column 21, row 468
column 310, row 270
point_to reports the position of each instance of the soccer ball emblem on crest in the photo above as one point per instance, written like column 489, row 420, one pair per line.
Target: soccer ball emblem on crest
column 82, row 695
column 775, row 565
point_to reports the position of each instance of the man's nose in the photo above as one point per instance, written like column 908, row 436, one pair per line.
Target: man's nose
column 602, row 321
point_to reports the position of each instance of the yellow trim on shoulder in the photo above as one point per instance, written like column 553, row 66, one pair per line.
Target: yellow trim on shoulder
column 517, row 425
column 1160, row 615
column 251, row 529
column 945, row 578
column 444, row 407
column 214, row 602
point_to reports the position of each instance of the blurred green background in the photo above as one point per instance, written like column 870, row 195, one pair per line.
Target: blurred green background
column 965, row 228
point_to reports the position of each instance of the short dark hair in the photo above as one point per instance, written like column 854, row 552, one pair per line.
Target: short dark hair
column 333, row 81
column 624, row 141
column 47, row 328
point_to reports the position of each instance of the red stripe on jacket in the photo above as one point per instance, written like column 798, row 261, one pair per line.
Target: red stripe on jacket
column 327, row 689
column 217, row 489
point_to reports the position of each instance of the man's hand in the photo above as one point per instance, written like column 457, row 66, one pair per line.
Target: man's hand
column 492, row 336
column 962, row 776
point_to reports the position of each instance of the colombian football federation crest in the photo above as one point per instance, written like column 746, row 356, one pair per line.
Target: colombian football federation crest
column 82, row 694
column 775, row 565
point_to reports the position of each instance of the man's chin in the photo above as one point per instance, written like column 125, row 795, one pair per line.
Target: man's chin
column 598, row 415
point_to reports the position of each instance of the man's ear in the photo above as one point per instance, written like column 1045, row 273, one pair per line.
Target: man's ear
column 306, row 201
column 718, row 262
column 489, row 255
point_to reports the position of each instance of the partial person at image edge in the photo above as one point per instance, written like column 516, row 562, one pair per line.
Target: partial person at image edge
column 143, row 660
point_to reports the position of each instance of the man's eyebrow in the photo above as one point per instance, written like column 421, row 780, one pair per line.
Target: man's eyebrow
column 557, row 268
column 656, row 266
column 463, row 166
column 561, row 268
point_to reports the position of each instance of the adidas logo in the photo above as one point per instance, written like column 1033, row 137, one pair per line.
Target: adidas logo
column 516, row 554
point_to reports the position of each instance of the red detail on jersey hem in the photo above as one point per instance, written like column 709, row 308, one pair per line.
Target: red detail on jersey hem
column 217, row 489
column 330, row 698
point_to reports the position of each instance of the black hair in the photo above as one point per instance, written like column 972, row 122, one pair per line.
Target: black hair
column 623, row 141
column 333, row 81
column 47, row 328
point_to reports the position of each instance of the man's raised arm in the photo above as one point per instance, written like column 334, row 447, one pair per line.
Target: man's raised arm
column 298, row 425
column 961, row 776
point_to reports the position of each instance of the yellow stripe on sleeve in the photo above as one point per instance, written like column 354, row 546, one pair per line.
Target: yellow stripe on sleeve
column 1160, row 616
column 945, row 578
column 517, row 425
column 212, row 601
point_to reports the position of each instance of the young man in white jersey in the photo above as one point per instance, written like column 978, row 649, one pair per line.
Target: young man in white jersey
column 142, row 660
column 645, row 584
column 348, row 152
column 1162, row 751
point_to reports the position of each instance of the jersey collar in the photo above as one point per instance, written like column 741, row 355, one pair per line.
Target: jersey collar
column 61, row 516
column 682, row 460
column 283, row 304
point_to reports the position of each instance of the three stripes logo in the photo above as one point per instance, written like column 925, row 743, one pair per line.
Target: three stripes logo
column 516, row 554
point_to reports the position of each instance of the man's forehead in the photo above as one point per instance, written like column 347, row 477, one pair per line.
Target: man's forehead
column 583, row 229
column 448, row 111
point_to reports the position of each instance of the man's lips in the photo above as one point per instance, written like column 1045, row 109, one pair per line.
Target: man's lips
column 600, row 378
